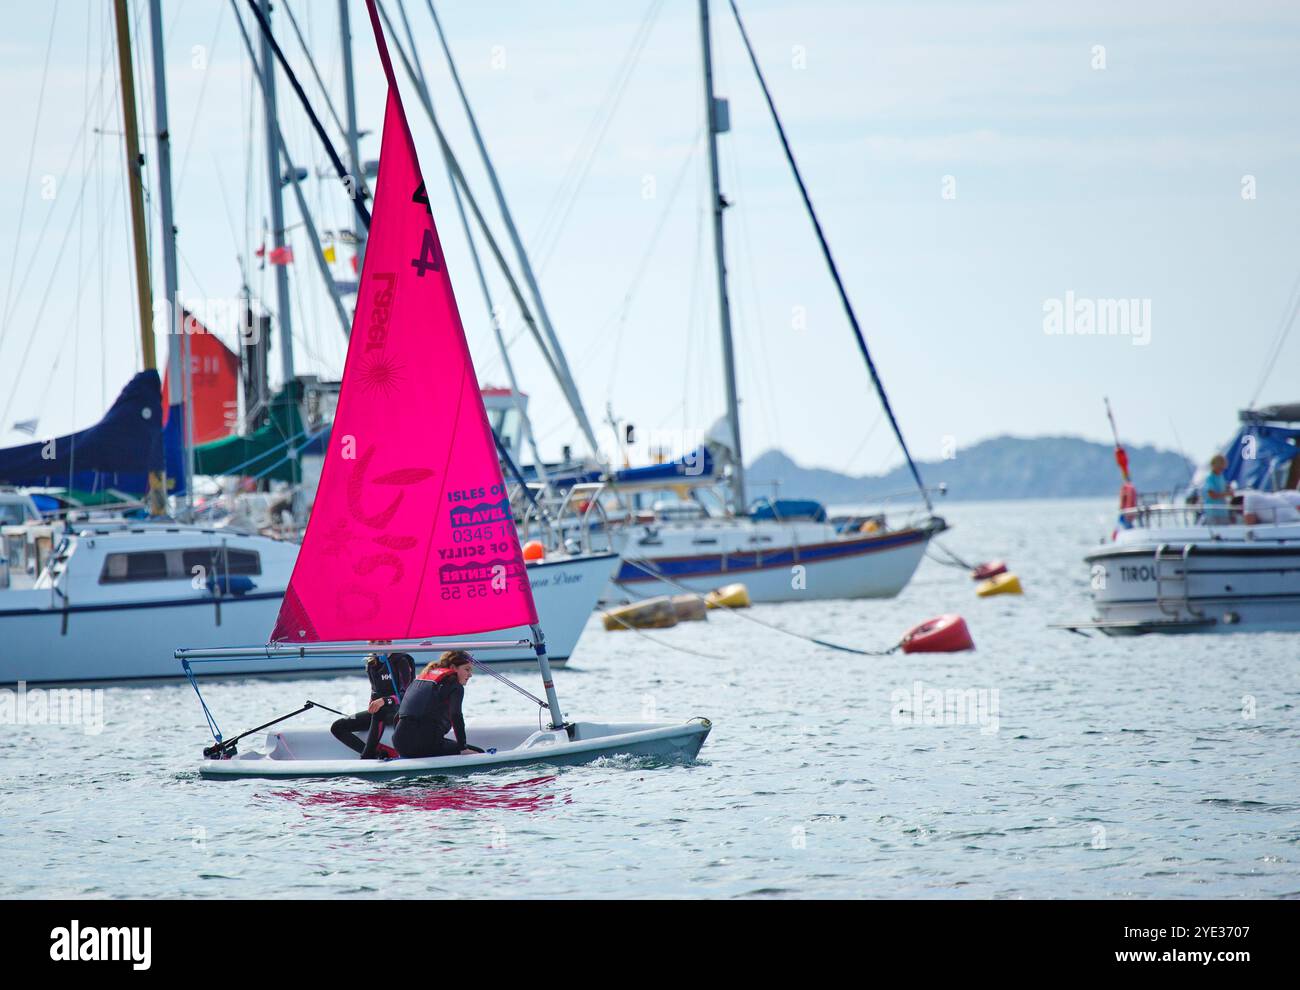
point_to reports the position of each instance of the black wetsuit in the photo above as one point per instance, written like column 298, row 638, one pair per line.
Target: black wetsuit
column 430, row 709
column 381, row 688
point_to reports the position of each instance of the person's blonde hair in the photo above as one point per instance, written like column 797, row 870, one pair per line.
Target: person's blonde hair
column 452, row 658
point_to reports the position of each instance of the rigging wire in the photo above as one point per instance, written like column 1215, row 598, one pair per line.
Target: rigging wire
column 358, row 201
column 647, row 567
column 311, row 63
column 830, row 262
column 40, row 240
column 1289, row 313
column 102, row 227
column 203, row 91
column 661, row 642
column 27, row 178
column 45, row 297
column 553, row 222
column 620, row 318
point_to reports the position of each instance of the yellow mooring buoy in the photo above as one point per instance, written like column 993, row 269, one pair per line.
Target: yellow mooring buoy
column 1003, row 584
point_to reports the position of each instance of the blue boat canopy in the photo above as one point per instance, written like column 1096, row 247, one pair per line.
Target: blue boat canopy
column 117, row 452
column 788, row 508
column 695, row 469
column 1258, row 453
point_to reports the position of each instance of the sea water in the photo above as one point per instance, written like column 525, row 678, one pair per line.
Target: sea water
column 1044, row 764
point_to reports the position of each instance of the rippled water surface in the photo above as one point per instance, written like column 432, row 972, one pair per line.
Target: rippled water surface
column 1106, row 768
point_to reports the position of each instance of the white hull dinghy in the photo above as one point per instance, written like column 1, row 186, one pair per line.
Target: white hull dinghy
column 412, row 546
column 316, row 753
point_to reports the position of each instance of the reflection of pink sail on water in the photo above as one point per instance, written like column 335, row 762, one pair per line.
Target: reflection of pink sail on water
column 411, row 534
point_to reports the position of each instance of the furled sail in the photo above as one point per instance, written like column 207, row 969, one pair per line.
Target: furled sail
column 271, row 452
column 412, row 533
column 117, row 452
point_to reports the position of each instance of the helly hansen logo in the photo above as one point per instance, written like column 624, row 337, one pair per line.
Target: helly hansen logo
column 77, row 944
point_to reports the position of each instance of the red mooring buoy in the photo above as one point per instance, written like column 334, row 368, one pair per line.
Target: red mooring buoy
column 944, row 634
column 988, row 569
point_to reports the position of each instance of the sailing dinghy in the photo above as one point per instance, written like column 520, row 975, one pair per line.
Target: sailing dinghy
column 412, row 540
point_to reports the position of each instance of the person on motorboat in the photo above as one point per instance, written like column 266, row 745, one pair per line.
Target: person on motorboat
column 388, row 682
column 432, row 707
column 1269, row 508
column 1216, row 494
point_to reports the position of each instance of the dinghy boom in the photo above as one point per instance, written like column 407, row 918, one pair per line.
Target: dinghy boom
column 360, row 648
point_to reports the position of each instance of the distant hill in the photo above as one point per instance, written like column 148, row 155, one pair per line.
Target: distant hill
column 1001, row 468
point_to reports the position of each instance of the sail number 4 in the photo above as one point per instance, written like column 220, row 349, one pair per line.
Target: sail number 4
column 428, row 258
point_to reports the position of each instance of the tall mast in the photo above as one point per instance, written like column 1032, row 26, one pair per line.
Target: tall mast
column 134, row 161
column 277, row 203
column 715, row 128
column 566, row 379
column 350, row 100
column 178, row 347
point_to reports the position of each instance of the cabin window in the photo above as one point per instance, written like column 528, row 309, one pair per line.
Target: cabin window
column 216, row 560
column 174, row 565
column 144, row 566
column 12, row 514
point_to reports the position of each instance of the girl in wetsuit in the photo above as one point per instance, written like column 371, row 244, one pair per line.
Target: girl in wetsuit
column 431, row 708
column 384, row 698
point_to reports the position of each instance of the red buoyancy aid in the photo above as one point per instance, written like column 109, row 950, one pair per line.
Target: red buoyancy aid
column 437, row 675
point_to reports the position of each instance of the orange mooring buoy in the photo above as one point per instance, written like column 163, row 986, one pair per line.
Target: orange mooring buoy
column 944, row 634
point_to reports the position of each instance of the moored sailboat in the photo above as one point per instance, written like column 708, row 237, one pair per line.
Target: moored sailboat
column 412, row 535
column 782, row 549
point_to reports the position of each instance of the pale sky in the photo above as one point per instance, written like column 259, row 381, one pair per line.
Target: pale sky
column 1123, row 181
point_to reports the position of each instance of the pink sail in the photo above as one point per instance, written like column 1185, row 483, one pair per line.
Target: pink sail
column 412, row 534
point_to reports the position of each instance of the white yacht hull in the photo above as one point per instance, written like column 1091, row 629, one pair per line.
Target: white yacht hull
column 776, row 561
column 1198, row 578
column 45, row 640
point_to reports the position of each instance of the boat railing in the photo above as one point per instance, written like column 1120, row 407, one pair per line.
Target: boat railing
column 1166, row 509
column 574, row 519
column 899, row 510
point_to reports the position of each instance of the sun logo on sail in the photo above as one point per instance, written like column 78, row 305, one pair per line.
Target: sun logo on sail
column 381, row 375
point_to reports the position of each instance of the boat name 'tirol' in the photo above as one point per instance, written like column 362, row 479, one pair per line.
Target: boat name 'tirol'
column 1140, row 573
